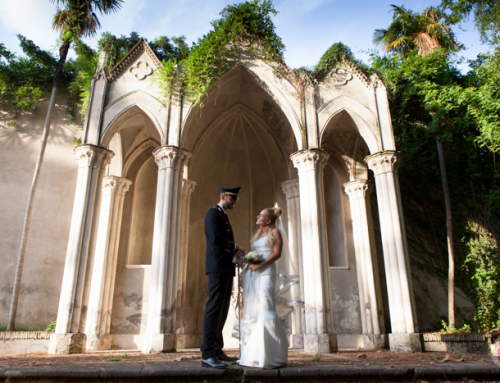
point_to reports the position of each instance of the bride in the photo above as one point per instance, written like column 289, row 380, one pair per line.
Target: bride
column 264, row 342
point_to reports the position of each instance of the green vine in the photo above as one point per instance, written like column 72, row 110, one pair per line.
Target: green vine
column 483, row 266
column 243, row 30
column 337, row 55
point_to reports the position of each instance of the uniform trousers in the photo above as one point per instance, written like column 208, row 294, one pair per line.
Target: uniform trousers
column 220, row 286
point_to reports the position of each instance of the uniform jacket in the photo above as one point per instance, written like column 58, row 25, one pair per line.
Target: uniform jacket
column 220, row 242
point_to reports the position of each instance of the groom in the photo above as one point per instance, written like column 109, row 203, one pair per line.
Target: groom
column 220, row 270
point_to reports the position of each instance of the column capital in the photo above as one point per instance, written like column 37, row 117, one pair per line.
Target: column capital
column 187, row 186
column 291, row 189
column 384, row 162
column 358, row 189
column 93, row 156
column 115, row 185
column 171, row 157
column 310, row 159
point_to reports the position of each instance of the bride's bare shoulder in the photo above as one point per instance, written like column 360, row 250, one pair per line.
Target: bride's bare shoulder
column 276, row 233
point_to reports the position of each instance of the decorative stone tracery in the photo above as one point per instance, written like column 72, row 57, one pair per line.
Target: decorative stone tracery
column 141, row 70
column 340, row 76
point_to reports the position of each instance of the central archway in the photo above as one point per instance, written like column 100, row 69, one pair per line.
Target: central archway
column 241, row 137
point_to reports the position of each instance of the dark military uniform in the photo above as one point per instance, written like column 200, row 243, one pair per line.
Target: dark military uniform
column 220, row 270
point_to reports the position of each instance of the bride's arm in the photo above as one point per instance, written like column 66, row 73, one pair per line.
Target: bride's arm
column 275, row 255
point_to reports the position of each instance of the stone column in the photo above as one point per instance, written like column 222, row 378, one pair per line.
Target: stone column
column 370, row 299
column 291, row 190
column 185, row 336
column 404, row 337
column 68, row 337
column 319, row 336
column 160, row 336
column 98, row 324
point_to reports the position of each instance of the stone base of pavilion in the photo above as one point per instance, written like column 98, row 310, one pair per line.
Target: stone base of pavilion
column 185, row 366
column 28, row 342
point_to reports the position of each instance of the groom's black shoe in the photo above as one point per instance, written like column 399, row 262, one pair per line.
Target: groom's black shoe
column 213, row 363
column 225, row 358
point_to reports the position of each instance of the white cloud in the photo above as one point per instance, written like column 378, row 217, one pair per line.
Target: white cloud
column 30, row 18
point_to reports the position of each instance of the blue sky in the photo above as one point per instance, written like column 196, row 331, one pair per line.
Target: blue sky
column 308, row 27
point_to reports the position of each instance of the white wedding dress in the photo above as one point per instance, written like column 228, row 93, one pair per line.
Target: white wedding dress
column 264, row 342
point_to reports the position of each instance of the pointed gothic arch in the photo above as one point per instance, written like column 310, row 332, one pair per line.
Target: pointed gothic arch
column 115, row 113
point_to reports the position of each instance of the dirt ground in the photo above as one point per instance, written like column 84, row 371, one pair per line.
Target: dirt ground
column 296, row 359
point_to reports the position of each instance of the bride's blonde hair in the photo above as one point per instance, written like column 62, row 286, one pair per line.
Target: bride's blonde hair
column 273, row 213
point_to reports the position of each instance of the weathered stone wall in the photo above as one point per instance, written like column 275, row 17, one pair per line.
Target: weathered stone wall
column 44, row 262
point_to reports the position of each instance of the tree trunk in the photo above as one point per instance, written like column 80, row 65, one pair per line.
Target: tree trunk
column 449, row 232
column 63, row 53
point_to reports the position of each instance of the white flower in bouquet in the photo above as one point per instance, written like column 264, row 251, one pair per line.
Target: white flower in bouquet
column 253, row 258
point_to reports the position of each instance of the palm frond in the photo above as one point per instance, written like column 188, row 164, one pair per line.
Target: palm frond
column 397, row 44
column 108, row 6
column 378, row 37
column 60, row 19
column 425, row 43
column 399, row 9
column 77, row 17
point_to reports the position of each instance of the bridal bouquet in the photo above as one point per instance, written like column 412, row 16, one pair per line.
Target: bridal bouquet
column 253, row 258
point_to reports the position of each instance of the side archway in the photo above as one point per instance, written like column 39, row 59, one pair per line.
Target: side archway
column 116, row 113
column 365, row 122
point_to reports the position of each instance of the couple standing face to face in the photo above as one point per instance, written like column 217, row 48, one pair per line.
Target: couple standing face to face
column 220, row 250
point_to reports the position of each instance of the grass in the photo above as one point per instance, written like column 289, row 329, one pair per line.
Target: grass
column 375, row 363
column 13, row 126
column 76, row 141
column 18, row 328
column 117, row 358
column 317, row 358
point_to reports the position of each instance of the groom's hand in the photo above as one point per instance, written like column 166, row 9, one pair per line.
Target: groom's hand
column 240, row 251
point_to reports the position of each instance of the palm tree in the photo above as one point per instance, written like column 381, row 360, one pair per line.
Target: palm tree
column 411, row 31
column 425, row 33
column 76, row 19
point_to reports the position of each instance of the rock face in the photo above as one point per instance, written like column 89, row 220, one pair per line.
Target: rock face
column 117, row 246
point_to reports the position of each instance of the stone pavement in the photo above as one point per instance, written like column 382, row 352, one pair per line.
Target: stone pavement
column 185, row 366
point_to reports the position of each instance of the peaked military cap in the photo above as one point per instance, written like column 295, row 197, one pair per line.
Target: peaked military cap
column 233, row 192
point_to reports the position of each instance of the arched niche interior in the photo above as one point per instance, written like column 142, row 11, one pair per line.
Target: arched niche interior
column 335, row 205
column 142, row 201
column 240, row 137
column 347, row 150
column 133, row 137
